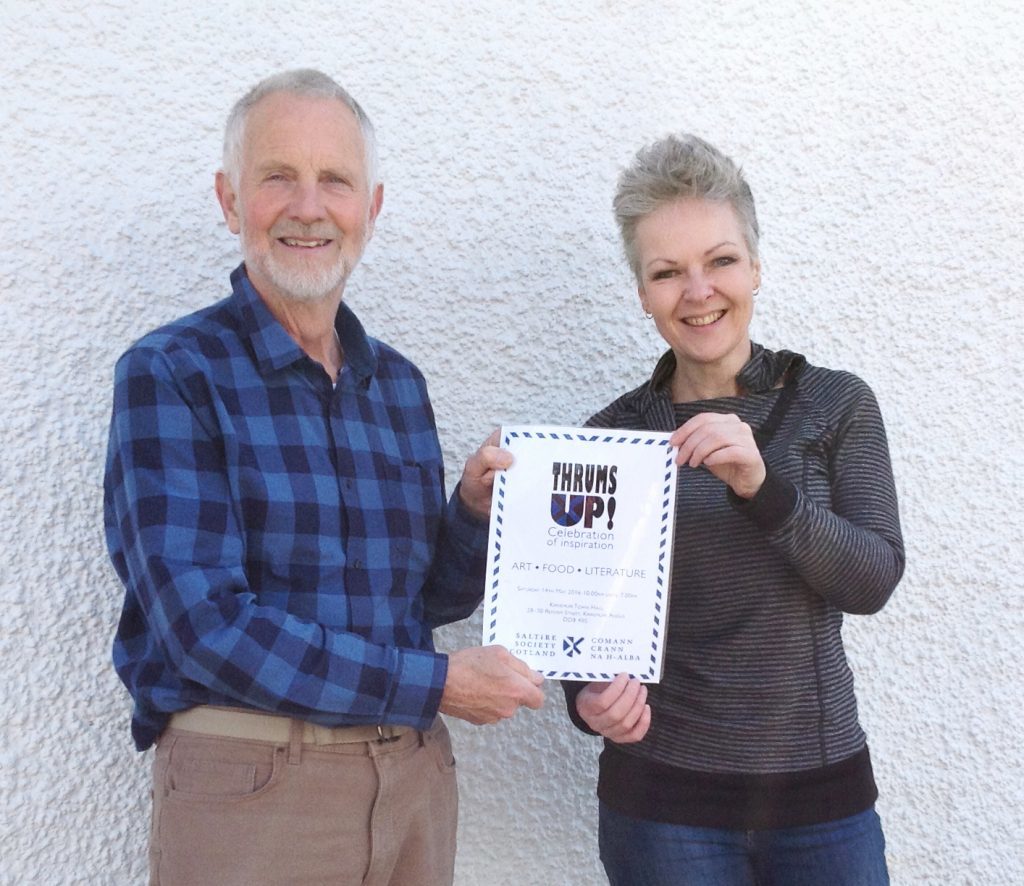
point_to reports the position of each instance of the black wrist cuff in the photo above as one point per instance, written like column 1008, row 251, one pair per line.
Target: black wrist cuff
column 773, row 503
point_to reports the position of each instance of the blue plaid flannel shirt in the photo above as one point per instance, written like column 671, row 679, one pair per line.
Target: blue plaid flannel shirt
column 284, row 545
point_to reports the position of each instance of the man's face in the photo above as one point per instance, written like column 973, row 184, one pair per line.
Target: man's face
column 302, row 203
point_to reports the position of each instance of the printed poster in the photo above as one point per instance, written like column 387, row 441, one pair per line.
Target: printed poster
column 580, row 551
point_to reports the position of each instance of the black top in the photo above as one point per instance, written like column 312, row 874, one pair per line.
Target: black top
column 754, row 721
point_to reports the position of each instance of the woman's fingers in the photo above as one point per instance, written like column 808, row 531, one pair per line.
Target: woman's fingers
column 725, row 446
column 617, row 710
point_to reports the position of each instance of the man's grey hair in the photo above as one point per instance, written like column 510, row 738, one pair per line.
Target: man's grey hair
column 305, row 82
column 674, row 168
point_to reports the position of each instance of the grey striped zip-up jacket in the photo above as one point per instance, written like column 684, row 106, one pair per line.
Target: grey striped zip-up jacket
column 756, row 679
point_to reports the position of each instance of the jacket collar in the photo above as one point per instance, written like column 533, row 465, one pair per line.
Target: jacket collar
column 764, row 371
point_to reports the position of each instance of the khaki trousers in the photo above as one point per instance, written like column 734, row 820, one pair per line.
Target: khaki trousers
column 232, row 811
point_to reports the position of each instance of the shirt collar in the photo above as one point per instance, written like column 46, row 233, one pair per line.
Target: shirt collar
column 359, row 349
column 275, row 348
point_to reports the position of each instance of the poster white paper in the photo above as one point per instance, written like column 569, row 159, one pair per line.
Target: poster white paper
column 580, row 549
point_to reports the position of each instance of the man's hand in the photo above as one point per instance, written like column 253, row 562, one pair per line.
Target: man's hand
column 616, row 710
column 486, row 684
column 478, row 475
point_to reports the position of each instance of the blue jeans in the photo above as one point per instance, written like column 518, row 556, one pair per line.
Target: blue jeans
column 848, row 852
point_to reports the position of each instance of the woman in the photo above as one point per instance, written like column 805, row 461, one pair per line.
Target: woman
column 746, row 763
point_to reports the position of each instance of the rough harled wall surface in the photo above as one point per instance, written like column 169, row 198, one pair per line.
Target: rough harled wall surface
column 883, row 144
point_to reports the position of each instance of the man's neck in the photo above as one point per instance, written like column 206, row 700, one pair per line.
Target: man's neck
column 311, row 325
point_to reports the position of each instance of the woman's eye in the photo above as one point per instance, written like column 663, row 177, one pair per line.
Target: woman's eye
column 662, row 275
column 724, row 260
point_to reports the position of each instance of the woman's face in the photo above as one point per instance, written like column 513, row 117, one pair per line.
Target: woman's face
column 697, row 278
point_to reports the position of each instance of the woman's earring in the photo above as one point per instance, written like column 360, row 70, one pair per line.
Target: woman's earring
column 648, row 315
column 756, row 292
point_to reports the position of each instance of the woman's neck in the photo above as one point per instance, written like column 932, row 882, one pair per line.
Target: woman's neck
column 688, row 390
column 706, row 381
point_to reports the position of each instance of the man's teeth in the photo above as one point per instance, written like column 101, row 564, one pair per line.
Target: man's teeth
column 307, row 244
column 706, row 320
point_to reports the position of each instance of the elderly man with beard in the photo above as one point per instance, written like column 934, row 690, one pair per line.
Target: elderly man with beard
column 275, row 508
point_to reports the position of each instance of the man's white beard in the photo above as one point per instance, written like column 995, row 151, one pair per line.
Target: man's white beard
column 304, row 284
column 295, row 282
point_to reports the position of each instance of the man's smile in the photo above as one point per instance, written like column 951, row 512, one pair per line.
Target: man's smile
column 304, row 244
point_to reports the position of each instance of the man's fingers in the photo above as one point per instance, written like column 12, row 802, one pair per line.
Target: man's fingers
column 535, row 678
column 493, row 458
column 487, row 684
column 475, row 489
column 533, row 698
column 521, row 667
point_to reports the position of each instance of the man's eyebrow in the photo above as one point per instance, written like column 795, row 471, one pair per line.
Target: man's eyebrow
column 275, row 164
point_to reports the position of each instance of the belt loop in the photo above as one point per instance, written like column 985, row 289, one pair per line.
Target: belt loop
column 295, row 742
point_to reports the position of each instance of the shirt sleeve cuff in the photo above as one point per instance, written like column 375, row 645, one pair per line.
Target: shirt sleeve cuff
column 464, row 526
column 773, row 503
column 417, row 689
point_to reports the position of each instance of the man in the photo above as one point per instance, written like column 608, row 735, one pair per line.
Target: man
column 275, row 509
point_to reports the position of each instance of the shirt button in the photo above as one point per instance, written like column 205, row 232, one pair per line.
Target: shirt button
column 357, row 564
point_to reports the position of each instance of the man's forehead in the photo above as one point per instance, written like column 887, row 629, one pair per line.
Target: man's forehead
column 282, row 120
column 284, row 98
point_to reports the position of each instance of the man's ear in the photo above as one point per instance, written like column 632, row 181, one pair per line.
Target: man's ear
column 228, row 200
column 376, row 201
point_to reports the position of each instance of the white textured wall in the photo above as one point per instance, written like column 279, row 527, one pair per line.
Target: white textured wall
column 883, row 144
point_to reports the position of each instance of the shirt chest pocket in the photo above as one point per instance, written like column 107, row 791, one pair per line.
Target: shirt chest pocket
column 412, row 503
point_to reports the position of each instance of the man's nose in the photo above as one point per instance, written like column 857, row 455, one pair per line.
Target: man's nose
column 307, row 204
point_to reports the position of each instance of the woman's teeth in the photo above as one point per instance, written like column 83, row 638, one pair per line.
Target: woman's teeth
column 706, row 320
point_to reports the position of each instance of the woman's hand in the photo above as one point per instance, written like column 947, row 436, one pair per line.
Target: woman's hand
column 725, row 446
column 617, row 710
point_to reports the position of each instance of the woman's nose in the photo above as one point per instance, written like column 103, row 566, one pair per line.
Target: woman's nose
column 696, row 286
